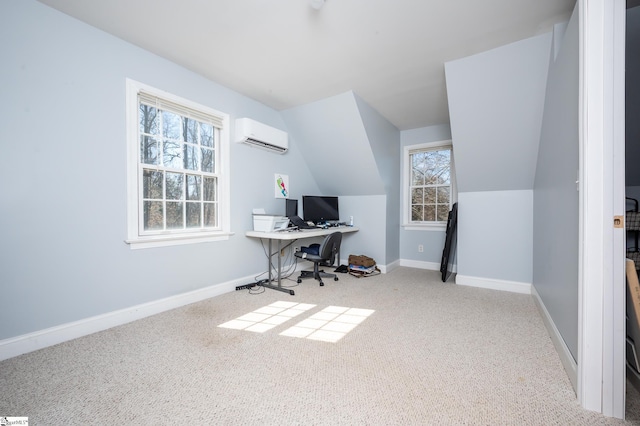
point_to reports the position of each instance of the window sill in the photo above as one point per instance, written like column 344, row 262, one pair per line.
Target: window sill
column 425, row 227
column 174, row 240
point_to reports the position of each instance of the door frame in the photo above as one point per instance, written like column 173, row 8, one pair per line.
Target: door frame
column 601, row 299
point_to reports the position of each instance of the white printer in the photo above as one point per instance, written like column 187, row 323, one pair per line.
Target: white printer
column 268, row 223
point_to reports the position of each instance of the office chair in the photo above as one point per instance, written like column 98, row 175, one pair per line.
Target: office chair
column 327, row 253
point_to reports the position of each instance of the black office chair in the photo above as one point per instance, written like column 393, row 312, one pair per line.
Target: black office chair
column 326, row 256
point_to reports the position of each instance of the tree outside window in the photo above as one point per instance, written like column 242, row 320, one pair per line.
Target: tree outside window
column 430, row 188
column 177, row 174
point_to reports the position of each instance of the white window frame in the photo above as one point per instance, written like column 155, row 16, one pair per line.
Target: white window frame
column 135, row 237
column 406, row 184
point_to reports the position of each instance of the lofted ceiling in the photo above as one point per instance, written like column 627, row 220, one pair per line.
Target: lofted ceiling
column 284, row 53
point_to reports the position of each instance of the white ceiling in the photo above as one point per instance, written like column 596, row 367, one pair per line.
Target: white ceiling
column 284, row 53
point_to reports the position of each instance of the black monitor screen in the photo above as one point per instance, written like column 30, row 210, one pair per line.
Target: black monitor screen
column 320, row 209
column 291, row 208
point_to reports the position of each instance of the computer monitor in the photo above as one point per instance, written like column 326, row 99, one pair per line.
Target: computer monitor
column 291, row 208
column 320, row 209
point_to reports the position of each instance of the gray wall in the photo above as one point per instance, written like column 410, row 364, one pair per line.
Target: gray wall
column 63, row 139
column 495, row 235
column 496, row 101
column 555, row 244
column 63, row 217
column 432, row 241
column 352, row 152
column 384, row 139
column 332, row 137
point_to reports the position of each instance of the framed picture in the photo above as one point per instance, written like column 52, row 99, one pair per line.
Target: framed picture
column 282, row 185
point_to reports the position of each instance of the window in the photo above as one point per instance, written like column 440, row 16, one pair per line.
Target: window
column 429, row 185
column 177, row 169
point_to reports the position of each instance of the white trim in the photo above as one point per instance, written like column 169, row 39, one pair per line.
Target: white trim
column 134, row 239
column 404, row 210
column 591, row 234
column 494, row 284
column 614, row 359
column 420, row 264
column 390, row 267
column 568, row 362
column 441, row 226
column 600, row 384
column 174, row 240
column 51, row 336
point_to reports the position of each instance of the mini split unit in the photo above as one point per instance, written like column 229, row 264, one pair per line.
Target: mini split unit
column 261, row 136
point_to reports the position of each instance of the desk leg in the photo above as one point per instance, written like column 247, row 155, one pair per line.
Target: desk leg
column 269, row 284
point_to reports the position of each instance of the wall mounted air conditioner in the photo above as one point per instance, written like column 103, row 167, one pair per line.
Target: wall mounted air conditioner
column 262, row 136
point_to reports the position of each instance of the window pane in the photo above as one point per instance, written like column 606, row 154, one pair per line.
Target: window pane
column 443, row 212
column 443, row 195
column 210, row 216
column 152, row 184
column 175, row 184
column 191, row 158
column 444, row 176
column 430, row 171
column 153, row 215
column 430, row 195
column 417, row 177
column 210, row 189
column 172, row 125
column 174, row 215
column 417, row 196
column 207, row 160
column 206, row 135
column 148, row 150
column 190, row 129
column 193, row 215
column 176, row 164
column 417, row 213
column 430, row 213
column 193, row 187
column 431, row 177
column 148, row 119
column 172, row 156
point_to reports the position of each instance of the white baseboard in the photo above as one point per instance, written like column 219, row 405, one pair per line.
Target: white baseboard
column 390, row 267
column 419, row 264
column 19, row 345
column 494, row 284
column 566, row 358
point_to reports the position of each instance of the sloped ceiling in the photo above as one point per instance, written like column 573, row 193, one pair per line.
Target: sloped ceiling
column 285, row 54
column 496, row 101
column 333, row 140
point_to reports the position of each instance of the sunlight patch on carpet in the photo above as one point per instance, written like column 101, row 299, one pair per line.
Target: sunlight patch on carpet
column 268, row 317
column 329, row 325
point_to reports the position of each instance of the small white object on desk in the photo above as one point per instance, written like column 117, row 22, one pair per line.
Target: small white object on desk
column 268, row 223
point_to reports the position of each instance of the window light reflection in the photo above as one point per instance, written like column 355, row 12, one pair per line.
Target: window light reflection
column 329, row 325
column 268, row 317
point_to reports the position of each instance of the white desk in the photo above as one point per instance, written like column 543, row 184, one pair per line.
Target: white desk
column 281, row 236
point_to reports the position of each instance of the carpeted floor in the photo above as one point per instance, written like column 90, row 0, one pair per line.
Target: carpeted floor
column 398, row 349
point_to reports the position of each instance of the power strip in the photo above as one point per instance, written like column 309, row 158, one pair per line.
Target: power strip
column 246, row 286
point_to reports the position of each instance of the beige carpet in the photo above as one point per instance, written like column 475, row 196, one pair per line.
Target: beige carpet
column 429, row 353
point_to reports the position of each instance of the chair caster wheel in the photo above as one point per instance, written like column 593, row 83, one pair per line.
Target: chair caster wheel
column 335, row 278
column 321, row 284
column 299, row 280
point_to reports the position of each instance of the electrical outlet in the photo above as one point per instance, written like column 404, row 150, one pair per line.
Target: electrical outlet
column 420, row 248
column 296, row 249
